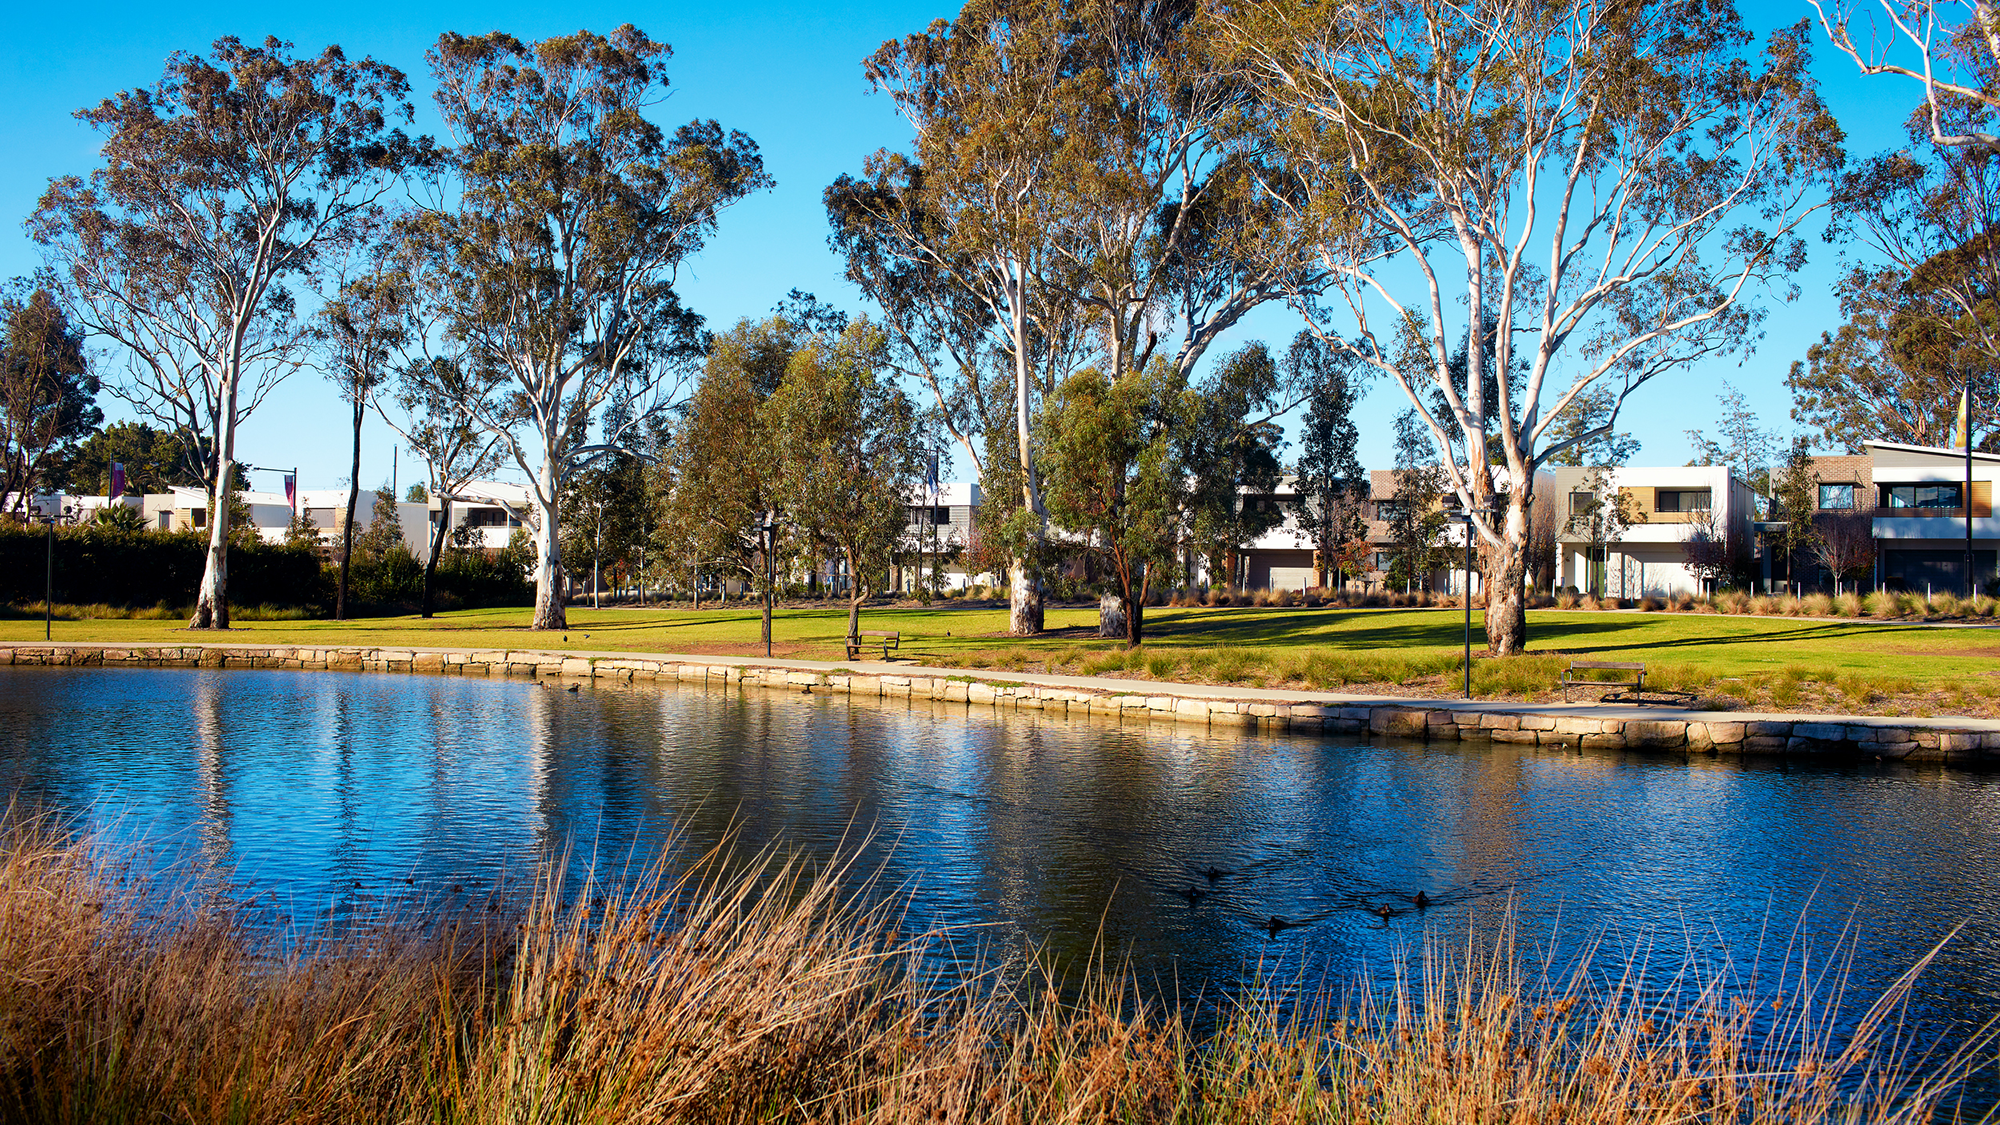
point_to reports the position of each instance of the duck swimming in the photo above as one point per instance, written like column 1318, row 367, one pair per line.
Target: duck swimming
column 1423, row 900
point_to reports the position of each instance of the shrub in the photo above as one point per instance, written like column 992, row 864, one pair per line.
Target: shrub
column 1681, row 602
column 1568, row 599
column 1882, row 603
column 1816, row 605
column 1848, row 605
column 1944, row 604
column 1732, row 601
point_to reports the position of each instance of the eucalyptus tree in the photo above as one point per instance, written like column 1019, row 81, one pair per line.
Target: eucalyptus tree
column 48, row 394
column 1894, row 371
column 1956, row 44
column 424, row 404
column 358, row 330
column 848, row 454
column 1227, row 443
column 221, row 184
column 952, row 239
column 1068, row 196
column 1605, row 183
column 1115, row 478
column 1332, row 486
column 558, row 236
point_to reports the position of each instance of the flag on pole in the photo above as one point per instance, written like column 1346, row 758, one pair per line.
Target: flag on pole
column 117, row 479
column 292, row 490
column 1962, row 432
column 931, row 471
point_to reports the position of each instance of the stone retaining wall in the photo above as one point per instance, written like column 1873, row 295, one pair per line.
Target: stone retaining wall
column 1879, row 738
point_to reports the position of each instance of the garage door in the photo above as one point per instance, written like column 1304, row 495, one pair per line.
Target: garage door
column 1291, row 577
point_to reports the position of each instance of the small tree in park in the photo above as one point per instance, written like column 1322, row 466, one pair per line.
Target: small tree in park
column 48, row 395
column 1113, row 478
column 221, row 183
column 849, row 454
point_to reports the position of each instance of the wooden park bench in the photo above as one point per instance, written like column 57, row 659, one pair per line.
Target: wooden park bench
column 1598, row 674
column 887, row 639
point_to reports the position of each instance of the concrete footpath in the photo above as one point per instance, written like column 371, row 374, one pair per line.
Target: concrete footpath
column 1608, row 726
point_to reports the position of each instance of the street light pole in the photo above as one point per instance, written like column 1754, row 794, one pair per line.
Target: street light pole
column 49, row 593
column 1469, row 520
column 770, row 573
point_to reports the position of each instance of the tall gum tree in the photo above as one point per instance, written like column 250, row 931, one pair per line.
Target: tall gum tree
column 1071, row 197
column 560, row 233
column 1604, row 183
column 952, row 239
column 221, row 182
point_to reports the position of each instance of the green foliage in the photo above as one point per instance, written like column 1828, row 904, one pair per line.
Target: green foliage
column 1228, row 445
column 100, row 564
column 1416, row 518
column 384, row 532
column 47, row 394
column 119, row 518
column 154, row 460
column 1332, row 485
column 846, row 444
column 1113, row 477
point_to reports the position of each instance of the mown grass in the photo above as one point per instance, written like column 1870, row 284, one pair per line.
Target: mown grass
column 770, row 993
column 1903, row 665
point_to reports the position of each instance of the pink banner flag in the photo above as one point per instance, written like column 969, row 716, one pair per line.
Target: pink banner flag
column 117, row 479
column 292, row 491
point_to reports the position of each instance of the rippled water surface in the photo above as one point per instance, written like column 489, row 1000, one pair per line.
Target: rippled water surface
column 335, row 791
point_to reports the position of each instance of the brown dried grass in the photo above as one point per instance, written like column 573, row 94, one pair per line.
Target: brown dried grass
column 765, row 992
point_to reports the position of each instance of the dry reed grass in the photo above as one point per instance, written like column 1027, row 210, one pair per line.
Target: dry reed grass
column 768, row 993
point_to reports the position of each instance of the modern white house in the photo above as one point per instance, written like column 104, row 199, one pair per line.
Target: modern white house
column 936, row 534
column 1649, row 557
column 1919, row 498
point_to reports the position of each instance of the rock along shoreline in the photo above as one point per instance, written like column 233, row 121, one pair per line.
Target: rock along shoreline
column 1586, row 726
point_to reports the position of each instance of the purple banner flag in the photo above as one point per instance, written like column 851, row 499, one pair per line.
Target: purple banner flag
column 292, row 491
column 117, row 479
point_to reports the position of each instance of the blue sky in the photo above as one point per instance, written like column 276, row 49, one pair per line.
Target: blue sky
column 789, row 75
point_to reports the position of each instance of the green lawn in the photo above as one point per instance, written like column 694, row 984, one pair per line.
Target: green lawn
column 1414, row 649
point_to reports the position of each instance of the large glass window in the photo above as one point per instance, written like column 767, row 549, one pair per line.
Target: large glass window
column 1836, row 496
column 1920, row 495
column 1682, row 500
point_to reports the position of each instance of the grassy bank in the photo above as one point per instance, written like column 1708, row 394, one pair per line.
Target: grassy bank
column 1774, row 662
column 778, row 996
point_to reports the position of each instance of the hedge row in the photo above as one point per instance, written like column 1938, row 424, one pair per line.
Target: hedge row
column 93, row 566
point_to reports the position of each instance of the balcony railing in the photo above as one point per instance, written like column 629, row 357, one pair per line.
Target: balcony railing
column 1922, row 513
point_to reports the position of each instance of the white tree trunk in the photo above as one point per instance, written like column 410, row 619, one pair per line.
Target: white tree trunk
column 211, row 604
column 549, row 612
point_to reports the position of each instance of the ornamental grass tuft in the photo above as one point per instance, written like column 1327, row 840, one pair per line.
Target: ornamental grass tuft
column 774, row 991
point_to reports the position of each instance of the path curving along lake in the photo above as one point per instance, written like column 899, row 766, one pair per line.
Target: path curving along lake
column 334, row 792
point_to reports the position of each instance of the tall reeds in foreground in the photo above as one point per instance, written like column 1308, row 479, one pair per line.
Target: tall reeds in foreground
column 770, row 993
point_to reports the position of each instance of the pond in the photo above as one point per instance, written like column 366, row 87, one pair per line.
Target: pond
column 335, row 793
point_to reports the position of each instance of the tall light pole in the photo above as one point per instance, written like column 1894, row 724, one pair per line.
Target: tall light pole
column 1469, row 520
column 49, row 592
column 596, row 555
column 770, row 573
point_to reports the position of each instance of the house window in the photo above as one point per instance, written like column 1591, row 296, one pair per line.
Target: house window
column 941, row 517
column 198, row 517
column 485, row 517
column 1581, row 502
column 1386, row 510
column 1920, row 496
column 1836, row 496
column 1682, row 500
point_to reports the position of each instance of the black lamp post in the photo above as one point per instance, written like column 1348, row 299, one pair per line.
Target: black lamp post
column 1469, row 520
column 770, row 573
column 49, row 592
